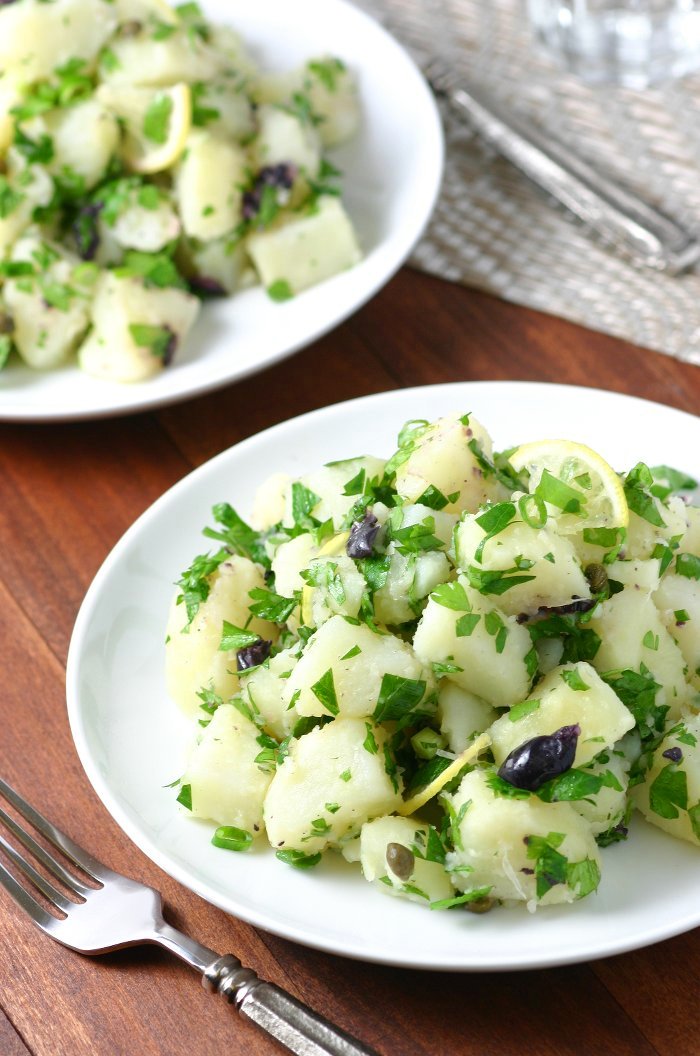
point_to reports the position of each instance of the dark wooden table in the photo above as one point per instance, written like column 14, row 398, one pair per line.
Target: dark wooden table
column 67, row 493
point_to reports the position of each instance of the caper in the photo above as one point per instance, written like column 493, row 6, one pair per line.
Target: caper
column 480, row 905
column 597, row 577
column 400, row 860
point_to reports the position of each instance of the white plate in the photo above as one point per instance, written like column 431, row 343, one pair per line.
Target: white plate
column 391, row 177
column 131, row 739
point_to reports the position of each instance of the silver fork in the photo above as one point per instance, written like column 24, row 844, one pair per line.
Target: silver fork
column 620, row 217
column 119, row 912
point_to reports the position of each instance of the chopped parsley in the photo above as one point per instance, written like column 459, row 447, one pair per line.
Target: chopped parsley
column 280, row 290
column 324, row 690
column 158, row 339
column 156, row 120
column 10, row 199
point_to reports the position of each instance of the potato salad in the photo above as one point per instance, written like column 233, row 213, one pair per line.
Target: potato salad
column 461, row 669
column 146, row 163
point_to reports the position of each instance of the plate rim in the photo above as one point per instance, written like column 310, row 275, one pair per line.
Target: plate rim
column 406, row 239
column 524, row 960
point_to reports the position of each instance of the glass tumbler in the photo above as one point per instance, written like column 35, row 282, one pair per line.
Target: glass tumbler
column 632, row 43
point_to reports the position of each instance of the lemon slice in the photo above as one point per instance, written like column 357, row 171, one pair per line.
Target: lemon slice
column 334, row 546
column 157, row 122
column 579, row 488
column 430, row 791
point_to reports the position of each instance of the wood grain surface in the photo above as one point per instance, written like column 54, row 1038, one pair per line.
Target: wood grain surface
column 68, row 492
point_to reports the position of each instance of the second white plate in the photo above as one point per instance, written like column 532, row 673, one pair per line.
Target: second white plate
column 131, row 738
column 391, row 177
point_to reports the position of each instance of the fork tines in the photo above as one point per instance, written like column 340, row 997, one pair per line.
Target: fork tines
column 69, row 850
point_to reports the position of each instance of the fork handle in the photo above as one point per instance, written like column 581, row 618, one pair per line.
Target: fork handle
column 291, row 1023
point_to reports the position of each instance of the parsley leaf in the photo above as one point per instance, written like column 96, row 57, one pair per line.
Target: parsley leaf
column 271, row 606
column 324, row 690
column 550, row 865
column 237, row 535
column 668, row 792
column 398, row 697
column 233, row 637
column 637, row 690
column 637, row 485
column 156, row 120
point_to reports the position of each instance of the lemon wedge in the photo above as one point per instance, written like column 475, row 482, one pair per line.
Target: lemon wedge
column 591, row 494
column 410, row 806
column 335, row 545
column 157, row 122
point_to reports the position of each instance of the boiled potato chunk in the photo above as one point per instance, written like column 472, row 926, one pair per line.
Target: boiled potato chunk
column 641, row 575
column 290, row 560
column 690, row 543
column 50, row 313
column 607, row 808
column 523, row 849
column 570, row 694
column 670, row 794
column 440, row 456
column 335, row 587
column 227, row 784
column 192, row 658
column 284, row 139
column 330, row 89
column 488, row 650
column 632, row 634
column 332, row 92
column 270, row 501
column 328, row 786
column 463, row 716
column 442, row 524
column 410, row 579
column 208, row 186
column 264, row 690
column 306, row 248
column 146, row 229
column 217, row 267
column 557, row 576
column 358, row 658
column 678, row 601
column 25, row 189
column 226, row 108
column 37, row 37
column 85, row 138
column 179, row 57
column 136, row 330
column 642, row 536
column 229, row 44
column 329, row 484
column 427, row 881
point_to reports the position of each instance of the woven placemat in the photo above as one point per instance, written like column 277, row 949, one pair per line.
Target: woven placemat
column 494, row 230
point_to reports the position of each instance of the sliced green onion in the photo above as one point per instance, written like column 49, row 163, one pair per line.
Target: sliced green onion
column 298, row 859
column 534, row 518
column 231, row 838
